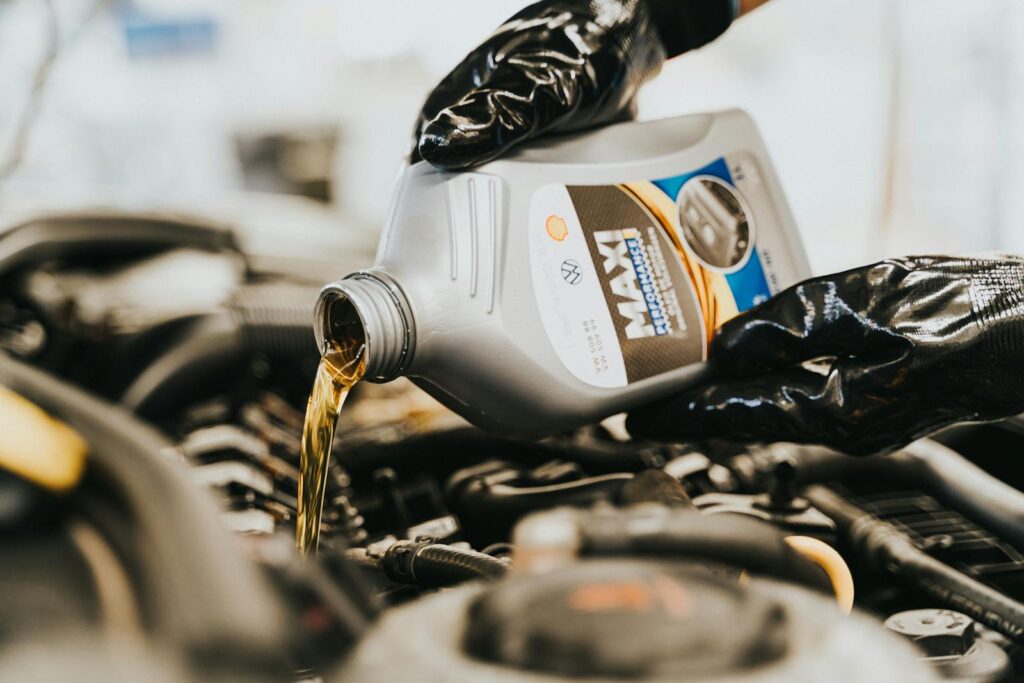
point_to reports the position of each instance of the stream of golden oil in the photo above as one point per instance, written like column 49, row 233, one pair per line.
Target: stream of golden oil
column 340, row 368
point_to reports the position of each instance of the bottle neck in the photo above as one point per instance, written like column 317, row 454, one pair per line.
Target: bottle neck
column 370, row 304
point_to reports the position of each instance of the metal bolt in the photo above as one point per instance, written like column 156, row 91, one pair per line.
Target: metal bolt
column 938, row 632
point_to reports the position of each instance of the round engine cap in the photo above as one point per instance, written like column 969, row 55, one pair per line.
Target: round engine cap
column 625, row 618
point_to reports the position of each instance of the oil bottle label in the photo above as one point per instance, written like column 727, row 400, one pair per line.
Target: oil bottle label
column 632, row 279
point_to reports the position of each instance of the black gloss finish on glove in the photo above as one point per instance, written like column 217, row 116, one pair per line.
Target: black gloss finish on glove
column 558, row 65
column 863, row 361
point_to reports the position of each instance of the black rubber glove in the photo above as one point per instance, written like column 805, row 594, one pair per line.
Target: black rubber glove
column 863, row 361
column 558, row 65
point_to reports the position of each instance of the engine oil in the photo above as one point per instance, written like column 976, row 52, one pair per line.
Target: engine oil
column 341, row 366
column 576, row 278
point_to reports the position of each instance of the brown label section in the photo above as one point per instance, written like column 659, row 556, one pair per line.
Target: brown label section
column 648, row 292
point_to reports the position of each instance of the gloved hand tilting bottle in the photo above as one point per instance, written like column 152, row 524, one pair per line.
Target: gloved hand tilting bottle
column 863, row 361
column 558, row 65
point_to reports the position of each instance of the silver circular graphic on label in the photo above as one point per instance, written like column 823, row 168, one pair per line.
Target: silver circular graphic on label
column 571, row 271
column 715, row 223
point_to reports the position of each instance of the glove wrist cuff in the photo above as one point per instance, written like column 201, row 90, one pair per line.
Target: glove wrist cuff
column 997, row 296
column 685, row 25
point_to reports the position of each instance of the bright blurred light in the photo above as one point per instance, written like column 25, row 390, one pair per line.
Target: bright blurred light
column 895, row 124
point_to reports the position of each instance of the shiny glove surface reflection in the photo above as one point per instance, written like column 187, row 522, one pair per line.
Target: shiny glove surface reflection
column 554, row 66
column 863, row 361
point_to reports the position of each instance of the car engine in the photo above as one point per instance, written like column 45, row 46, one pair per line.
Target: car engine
column 154, row 377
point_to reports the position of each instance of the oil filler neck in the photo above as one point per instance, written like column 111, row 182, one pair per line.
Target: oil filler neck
column 371, row 306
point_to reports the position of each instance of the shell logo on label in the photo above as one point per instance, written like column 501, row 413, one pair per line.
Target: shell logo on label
column 556, row 227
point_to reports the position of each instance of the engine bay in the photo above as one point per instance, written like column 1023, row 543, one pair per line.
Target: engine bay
column 161, row 547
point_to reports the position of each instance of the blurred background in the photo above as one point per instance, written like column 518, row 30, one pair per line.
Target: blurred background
column 896, row 127
column 178, row 178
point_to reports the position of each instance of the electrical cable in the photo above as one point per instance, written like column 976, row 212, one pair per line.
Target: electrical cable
column 434, row 565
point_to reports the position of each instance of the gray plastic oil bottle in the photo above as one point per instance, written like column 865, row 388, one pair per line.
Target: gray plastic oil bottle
column 576, row 278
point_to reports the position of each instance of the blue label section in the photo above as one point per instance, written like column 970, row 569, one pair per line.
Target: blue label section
column 748, row 284
column 643, row 277
column 671, row 186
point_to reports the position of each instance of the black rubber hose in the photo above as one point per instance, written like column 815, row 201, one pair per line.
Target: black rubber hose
column 86, row 235
column 992, row 503
column 523, row 499
column 497, row 507
column 885, row 549
column 655, row 486
column 274, row 319
column 686, row 534
column 433, row 565
column 207, row 598
column 938, row 470
column 206, row 353
column 446, row 451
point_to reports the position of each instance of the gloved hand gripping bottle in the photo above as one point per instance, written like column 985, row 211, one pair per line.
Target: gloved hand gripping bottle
column 575, row 278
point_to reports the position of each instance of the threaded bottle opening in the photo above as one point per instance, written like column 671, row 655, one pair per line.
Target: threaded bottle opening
column 368, row 308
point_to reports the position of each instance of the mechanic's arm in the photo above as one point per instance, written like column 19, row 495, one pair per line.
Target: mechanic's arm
column 863, row 361
column 750, row 5
column 560, row 65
